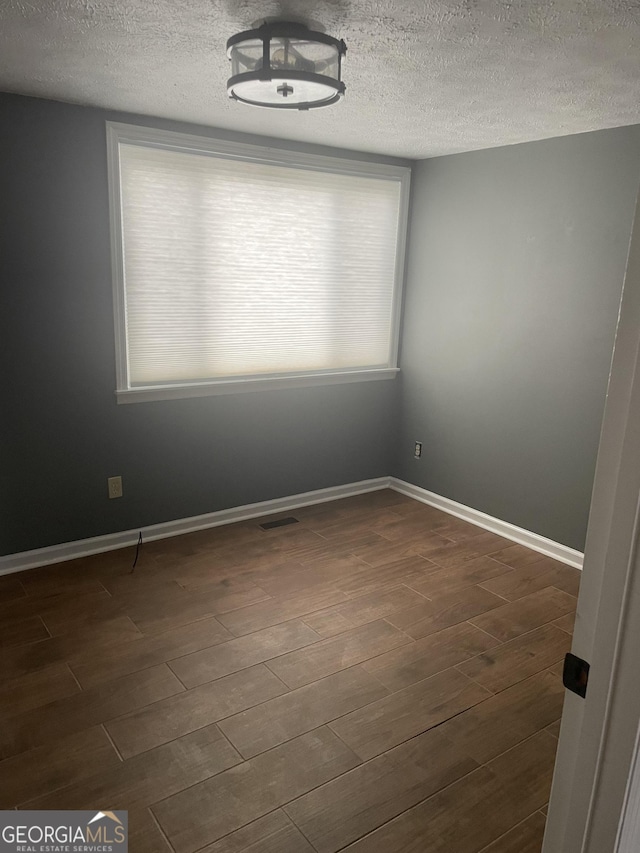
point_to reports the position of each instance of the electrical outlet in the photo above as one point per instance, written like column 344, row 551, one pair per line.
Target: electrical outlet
column 417, row 449
column 115, row 487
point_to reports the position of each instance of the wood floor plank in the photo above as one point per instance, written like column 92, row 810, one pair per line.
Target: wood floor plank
column 156, row 582
column 233, row 655
column 51, row 580
column 403, row 715
column 144, row 834
column 328, row 623
column 397, row 527
column 454, row 553
column 481, row 542
column 429, row 514
column 11, row 589
column 445, row 610
column 335, row 653
column 420, row 537
column 109, row 563
column 240, row 795
column 232, row 581
column 291, row 538
column 55, row 765
column 268, row 613
column 356, row 504
column 484, row 541
column 290, row 578
column 37, row 688
column 297, row 577
column 525, row 580
column 288, row 716
column 409, row 570
column 149, row 777
column 17, row 632
column 372, row 520
column 380, row 676
column 152, row 617
column 554, row 729
column 408, row 664
column 382, row 551
column 476, row 810
column 317, row 516
column 504, row 720
column 64, row 614
column 444, row 522
column 91, row 639
column 125, row 658
column 525, row 838
column 87, row 709
column 270, row 557
column 568, row 579
column 526, row 613
column 358, row 802
column 516, row 660
column 458, row 577
column 225, row 563
column 518, row 556
column 117, row 629
column 178, row 715
column 273, row 833
column 566, row 623
column 377, row 605
column 339, row 546
column 232, row 558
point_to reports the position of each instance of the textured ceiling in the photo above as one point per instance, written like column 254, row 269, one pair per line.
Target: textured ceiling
column 423, row 78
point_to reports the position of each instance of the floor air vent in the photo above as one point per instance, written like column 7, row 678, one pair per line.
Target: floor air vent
column 269, row 525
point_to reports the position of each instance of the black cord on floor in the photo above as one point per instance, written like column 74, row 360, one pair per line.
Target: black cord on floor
column 137, row 552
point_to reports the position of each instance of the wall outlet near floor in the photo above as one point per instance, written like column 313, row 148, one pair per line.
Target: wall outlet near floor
column 115, row 487
column 417, row 449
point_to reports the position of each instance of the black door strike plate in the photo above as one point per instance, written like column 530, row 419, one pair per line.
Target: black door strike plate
column 575, row 675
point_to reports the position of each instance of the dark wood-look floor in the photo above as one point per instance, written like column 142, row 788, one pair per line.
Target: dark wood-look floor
column 380, row 676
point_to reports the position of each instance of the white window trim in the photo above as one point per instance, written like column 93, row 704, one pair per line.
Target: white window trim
column 122, row 133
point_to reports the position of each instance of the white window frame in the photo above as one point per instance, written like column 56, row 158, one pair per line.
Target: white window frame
column 152, row 137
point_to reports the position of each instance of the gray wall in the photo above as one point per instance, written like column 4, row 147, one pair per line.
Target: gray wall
column 515, row 268
column 516, row 264
column 63, row 433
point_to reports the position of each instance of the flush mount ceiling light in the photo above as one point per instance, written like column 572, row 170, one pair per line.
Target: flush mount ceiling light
column 285, row 66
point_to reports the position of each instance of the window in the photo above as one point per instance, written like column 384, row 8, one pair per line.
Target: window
column 240, row 267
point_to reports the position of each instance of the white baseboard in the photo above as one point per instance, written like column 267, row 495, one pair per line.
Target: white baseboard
column 503, row 528
column 98, row 544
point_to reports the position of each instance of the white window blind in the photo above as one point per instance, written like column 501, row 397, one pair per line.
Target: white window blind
column 239, row 269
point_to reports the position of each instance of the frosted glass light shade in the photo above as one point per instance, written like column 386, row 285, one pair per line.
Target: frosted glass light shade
column 285, row 66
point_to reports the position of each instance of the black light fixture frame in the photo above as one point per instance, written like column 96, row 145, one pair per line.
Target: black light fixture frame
column 286, row 29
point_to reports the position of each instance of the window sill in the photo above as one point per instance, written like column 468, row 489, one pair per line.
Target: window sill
column 241, row 386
